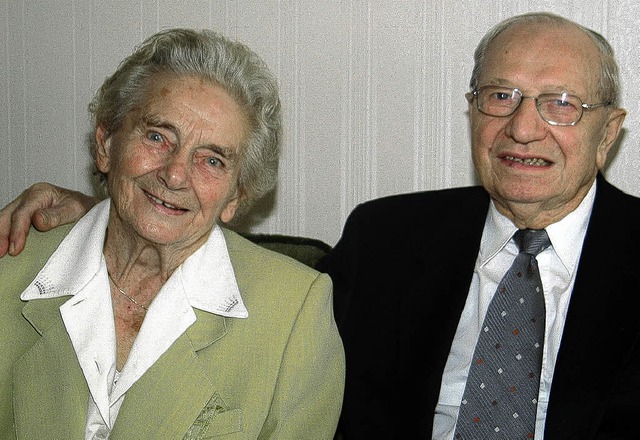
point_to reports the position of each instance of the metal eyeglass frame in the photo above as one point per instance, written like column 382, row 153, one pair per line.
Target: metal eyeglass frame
column 583, row 106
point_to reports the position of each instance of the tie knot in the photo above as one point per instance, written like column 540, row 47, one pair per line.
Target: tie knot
column 532, row 241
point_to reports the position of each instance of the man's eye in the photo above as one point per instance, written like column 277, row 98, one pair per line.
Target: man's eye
column 501, row 96
column 155, row 137
column 561, row 103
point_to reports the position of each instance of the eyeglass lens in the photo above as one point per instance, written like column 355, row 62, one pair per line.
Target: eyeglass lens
column 555, row 108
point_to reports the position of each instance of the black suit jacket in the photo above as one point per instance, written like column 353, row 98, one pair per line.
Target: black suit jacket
column 402, row 272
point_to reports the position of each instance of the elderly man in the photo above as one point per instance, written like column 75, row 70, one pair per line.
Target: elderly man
column 501, row 311
column 415, row 294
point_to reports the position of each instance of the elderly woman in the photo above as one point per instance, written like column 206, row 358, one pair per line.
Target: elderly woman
column 147, row 319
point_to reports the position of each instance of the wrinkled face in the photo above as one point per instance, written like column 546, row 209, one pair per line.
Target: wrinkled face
column 172, row 167
column 522, row 160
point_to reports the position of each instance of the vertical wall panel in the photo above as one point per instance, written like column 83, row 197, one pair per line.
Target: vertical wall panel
column 5, row 104
column 178, row 13
column 49, row 103
column 82, row 94
column 318, row 129
column 622, row 32
column 358, row 107
column 395, row 50
column 14, row 145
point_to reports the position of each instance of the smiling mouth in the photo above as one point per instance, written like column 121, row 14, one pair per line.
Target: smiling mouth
column 163, row 203
column 534, row 161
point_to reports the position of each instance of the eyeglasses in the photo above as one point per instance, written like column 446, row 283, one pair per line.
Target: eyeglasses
column 554, row 108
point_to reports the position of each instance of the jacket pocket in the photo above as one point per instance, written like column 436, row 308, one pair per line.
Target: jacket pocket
column 215, row 419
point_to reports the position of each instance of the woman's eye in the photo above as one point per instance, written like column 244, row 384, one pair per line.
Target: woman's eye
column 215, row 162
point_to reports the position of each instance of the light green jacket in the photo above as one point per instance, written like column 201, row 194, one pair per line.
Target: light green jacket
column 279, row 374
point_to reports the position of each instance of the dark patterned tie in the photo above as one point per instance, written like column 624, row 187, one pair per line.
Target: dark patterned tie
column 501, row 395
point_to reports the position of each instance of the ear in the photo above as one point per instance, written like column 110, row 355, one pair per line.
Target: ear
column 612, row 128
column 103, row 150
column 231, row 207
column 469, row 96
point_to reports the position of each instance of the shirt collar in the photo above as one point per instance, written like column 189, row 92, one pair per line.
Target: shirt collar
column 206, row 276
column 566, row 235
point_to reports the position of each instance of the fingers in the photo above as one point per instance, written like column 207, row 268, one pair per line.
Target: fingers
column 5, row 226
column 14, row 227
column 47, row 206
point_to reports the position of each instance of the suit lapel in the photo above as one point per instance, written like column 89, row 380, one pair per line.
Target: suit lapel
column 173, row 392
column 600, row 327
column 50, row 393
column 446, row 263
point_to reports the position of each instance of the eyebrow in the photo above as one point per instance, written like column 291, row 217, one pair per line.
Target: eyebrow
column 156, row 121
column 553, row 88
column 227, row 153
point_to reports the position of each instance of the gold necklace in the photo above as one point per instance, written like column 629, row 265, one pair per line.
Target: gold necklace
column 129, row 297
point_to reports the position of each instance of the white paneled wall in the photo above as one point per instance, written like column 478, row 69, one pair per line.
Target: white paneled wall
column 373, row 91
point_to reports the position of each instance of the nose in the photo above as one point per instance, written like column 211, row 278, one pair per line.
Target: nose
column 174, row 174
column 525, row 124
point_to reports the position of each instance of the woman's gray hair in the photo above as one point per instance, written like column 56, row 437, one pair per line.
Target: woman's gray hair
column 211, row 56
column 609, row 87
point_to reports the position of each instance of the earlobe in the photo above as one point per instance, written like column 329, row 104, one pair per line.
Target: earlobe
column 230, row 209
column 103, row 150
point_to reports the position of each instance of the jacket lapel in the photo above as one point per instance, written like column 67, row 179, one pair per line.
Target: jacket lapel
column 175, row 390
column 50, row 393
column 446, row 262
column 601, row 324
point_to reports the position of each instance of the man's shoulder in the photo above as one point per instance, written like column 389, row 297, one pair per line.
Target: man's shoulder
column 423, row 217
column 614, row 209
column 426, row 204
column 609, row 194
column 615, row 219
column 445, row 196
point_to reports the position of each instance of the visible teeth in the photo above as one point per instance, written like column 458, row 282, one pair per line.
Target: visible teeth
column 533, row 161
column 161, row 202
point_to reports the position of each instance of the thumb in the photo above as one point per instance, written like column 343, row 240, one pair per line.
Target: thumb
column 67, row 211
column 46, row 219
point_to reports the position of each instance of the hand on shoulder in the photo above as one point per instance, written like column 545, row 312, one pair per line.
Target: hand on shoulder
column 45, row 206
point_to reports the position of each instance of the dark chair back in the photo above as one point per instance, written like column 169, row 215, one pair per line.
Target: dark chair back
column 306, row 250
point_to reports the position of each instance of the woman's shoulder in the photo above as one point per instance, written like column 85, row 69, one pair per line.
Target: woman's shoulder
column 16, row 273
column 38, row 248
column 296, row 254
column 260, row 269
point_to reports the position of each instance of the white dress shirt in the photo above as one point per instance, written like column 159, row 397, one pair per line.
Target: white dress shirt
column 558, row 266
column 205, row 280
